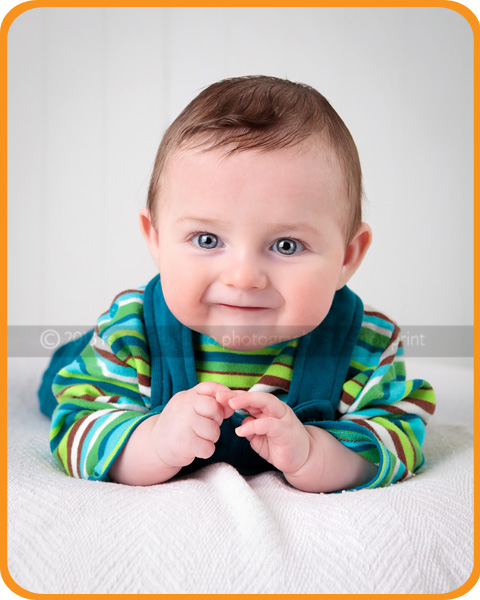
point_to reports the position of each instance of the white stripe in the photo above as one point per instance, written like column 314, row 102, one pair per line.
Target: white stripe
column 343, row 407
column 145, row 390
column 377, row 328
column 103, row 319
column 410, row 408
column 115, row 376
column 129, row 301
column 98, row 342
column 111, row 418
column 135, row 407
column 261, row 387
column 382, row 434
column 78, row 437
column 389, row 351
column 367, row 308
column 121, row 405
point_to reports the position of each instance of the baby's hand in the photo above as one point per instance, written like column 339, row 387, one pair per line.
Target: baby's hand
column 189, row 425
column 273, row 430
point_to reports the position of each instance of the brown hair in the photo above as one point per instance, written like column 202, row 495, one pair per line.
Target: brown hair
column 263, row 113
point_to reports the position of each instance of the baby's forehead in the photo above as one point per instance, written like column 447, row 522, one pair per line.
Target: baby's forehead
column 296, row 178
column 198, row 153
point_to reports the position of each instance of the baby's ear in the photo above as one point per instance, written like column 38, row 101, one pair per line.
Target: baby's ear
column 355, row 253
column 148, row 230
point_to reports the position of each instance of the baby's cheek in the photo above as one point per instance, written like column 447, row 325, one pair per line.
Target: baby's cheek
column 308, row 311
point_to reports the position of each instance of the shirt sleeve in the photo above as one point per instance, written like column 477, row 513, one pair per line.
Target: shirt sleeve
column 104, row 393
column 382, row 415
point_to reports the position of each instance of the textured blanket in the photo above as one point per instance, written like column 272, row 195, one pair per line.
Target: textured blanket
column 218, row 532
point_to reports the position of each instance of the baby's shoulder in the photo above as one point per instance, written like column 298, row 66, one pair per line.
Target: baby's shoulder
column 377, row 327
column 125, row 312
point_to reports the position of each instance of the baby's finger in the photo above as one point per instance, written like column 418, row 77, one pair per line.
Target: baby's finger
column 265, row 426
column 206, row 406
column 207, row 429
column 202, row 448
column 223, row 397
column 252, row 402
column 210, row 388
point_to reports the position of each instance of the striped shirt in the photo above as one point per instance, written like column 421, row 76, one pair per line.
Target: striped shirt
column 105, row 393
column 267, row 369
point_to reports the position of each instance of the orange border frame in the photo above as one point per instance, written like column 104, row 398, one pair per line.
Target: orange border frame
column 15, row 12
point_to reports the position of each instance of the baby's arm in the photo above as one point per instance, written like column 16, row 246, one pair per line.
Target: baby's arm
column 330, row 466
column 103, row 426
column 311, row 459
column 187, row 428
column 381, row 417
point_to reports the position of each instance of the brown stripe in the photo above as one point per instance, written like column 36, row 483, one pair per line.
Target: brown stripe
column 394, row 410
column 71, row 436
column 347, row 398
column 129, row 291
column 99, row 390
column 395, row 334
column 387, row 361
column 398, row 445
column 396, row 328
column 82, row 439
column 110, row 357
column 229, row 373
column 396, row 441
column 282, row 364
column 275, row 382
column 141, row 359
column 374, row 313
column 113, row 399
column 144, row 380
column 393, row 435
column 366, row 425
column 87, row 397
column 428, row 407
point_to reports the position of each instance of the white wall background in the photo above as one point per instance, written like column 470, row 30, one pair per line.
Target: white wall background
column 91, row 91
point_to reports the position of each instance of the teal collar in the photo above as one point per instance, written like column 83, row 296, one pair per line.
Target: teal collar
column 321, row 362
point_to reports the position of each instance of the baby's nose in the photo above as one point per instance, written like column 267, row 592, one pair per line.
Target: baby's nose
column 244, row 273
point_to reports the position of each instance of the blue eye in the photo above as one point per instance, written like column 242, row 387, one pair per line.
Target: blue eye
column 207, row 241
column 287, row 246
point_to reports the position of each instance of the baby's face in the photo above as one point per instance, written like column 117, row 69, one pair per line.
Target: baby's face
column 250, row 247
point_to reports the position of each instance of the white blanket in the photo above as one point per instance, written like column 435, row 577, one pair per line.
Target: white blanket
column 217, row 532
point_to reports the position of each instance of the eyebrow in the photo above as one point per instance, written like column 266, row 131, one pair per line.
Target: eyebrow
column 200, row 221
column 305, row 228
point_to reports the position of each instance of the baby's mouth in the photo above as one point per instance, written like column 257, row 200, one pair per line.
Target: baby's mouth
column 243, row 308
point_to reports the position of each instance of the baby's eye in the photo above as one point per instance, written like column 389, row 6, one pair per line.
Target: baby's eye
column 288, row 246
column 208, row 241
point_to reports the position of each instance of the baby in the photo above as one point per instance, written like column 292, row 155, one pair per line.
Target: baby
column 248, row 347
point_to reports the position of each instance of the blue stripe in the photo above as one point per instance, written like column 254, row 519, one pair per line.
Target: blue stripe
column 379, row 322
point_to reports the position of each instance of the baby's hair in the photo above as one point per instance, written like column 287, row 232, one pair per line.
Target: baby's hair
column 262, row 113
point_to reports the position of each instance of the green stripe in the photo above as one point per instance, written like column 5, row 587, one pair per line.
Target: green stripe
column 276, row 361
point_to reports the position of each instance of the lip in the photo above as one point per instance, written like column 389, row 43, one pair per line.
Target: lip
column 243, row 308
